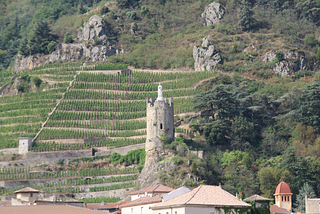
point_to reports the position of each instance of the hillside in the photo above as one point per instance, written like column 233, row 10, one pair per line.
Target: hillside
column 244, row 79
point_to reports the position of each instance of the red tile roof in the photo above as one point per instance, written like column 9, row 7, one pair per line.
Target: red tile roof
column 143, row 200
column 50, row 209
column 159, row 188
column 27, row 190
column 282, row 187
column 276, row 209
column 256, row 198
column 204, row 195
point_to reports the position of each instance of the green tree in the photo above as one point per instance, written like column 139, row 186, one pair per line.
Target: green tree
column 24, row 48
column 40, row 37
column 310, row 40
column 318, row 55
column 306, row 189
column 242, row 132
column 246, row 20
column 270, row 177
column 308, row 111
column 36, row 81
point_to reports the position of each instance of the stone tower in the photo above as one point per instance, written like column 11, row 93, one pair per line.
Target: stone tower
column 160, row 120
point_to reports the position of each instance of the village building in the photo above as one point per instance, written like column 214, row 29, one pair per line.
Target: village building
column 46, row 209
column 312, row 205
column 25, row 196
column 158, row 189
column 204, row 199
column 259, row 200
column 283, row 199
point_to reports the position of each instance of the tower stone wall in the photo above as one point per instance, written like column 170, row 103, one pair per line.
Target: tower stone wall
column 160, row 121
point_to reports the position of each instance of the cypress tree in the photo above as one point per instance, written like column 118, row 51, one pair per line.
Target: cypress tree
column 246, row 21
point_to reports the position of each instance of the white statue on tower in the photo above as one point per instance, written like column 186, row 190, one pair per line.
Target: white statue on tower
column 160, row 96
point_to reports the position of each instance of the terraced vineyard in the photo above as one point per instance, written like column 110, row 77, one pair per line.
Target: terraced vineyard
column 22, row 115
column 107, row 106
column 111, row 106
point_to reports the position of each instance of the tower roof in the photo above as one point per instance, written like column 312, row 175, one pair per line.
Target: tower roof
column 283, row 188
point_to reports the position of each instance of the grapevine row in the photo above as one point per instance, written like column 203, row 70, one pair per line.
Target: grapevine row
column 61, row 115
column 107, row 125
column 68, row 173
column 47, row 134
column 91, row 94
column 102, row 105
column 114, row 143
column 113, row 187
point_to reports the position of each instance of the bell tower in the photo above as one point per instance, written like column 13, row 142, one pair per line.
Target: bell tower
column 160, row 120
column 283, row 196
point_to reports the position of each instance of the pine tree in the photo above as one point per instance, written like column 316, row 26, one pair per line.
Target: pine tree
column 246, row 21
column 306, row 189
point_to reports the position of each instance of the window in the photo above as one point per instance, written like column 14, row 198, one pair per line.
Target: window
column 167, row 212
column 282, row 198
column 141, row 210
column 160, row 125
column 31, row 194
column 131, row 210
column 175, row 212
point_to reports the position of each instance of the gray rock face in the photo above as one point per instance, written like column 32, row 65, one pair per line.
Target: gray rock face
column 205, row 56
column 293, row 61
column 212, row 14
column 95, row 27
column 66, row 52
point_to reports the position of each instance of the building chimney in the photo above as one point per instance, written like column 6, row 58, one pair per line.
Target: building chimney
column 220, row 186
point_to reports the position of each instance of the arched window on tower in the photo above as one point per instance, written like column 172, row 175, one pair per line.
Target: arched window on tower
column 282, row 198
column 160, row 125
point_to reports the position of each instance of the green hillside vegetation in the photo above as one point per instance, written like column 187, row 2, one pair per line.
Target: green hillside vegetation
column 72, row 178
column 255, row 127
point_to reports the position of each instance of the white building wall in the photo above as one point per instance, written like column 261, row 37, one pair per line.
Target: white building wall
column 139, row 209
column 134, row 197
column 178, row 210
column 190, row 210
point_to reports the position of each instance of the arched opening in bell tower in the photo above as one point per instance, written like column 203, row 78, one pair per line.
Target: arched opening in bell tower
column 160, row 125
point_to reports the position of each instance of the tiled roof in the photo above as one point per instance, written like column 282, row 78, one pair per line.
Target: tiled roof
column 204, row 195
column 27, row 190
column 257, row 198
column 143, row 200
column 50, row 209
column 159, row 188
column 282, row 187
column 106, row 205
column 276, row 209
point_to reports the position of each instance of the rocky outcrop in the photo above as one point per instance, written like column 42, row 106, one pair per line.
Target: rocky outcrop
column 205, row 56
column 96, row 27
column 149, row 174
column 66, row 52
column 292, row 62
column 95, row 51
column 212, row 14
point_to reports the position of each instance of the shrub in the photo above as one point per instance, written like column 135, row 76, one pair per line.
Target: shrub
column 279, row 56
column 67, row 38
column 144, row 10
column 131, row 15
column 140, row 167
column 104, row 10
column 51, row 46
column 310, row 40
column 246, row 56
